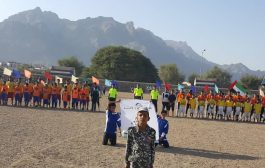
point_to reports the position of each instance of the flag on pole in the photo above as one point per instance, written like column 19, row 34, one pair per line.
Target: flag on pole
column 238, row 87
column 186, row 83
column 158, row 84
column 193, row 89
column 95, row 80
column 48, row 76
column 58, row 78
column 167, row 86
column 216, row 89
column 16, row 74
column 114, row 83
column 107, row 82
column 261, row 93
column 27, row 73
column 73, row 79
column 206, row 88
column 7, row 72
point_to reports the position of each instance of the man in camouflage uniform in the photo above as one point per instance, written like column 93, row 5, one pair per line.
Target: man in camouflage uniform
column 140, row 149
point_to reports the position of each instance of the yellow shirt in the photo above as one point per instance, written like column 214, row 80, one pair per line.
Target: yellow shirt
column 182, row 101
column 221, row 103
column 138, row 91
column 229, row 103
column 211, row 102
column 257, row 108
column 154, row 94
column 10, row 86
column 201, row 103
column 192, row 103
column 247, row 107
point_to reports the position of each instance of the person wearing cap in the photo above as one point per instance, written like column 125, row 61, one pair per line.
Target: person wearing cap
column 140, row 148
column 112, row 122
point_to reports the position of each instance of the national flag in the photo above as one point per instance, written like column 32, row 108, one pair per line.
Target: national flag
column 74, row 78
column 204, row 82
column 107, row 82
column 58, row 78
column 27, row 73
column 47, row 75
column 16, row 73
column 7, row 72
column 216, row 89
column 95, row 80
column 180, row 87
column 238, row 87
column 158, row 84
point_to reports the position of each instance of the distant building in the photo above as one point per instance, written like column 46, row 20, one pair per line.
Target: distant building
column 62, row 71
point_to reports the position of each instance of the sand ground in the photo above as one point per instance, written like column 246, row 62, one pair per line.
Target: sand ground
column 38, row 138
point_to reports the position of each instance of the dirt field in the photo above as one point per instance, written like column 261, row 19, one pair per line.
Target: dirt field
column 37, row 138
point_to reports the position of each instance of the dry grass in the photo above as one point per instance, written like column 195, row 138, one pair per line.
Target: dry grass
column 63, row 139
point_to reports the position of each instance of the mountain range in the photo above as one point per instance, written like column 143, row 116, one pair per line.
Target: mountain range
column 41, row 37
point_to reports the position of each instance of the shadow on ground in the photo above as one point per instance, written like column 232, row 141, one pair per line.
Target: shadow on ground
column 204, row 153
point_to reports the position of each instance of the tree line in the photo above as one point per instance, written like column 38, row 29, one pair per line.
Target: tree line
column 120, row 63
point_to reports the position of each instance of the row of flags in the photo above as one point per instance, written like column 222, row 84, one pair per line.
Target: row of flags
column 236, row 86
column 17, row 74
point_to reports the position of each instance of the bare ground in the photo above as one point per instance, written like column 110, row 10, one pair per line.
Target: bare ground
column 40, row 138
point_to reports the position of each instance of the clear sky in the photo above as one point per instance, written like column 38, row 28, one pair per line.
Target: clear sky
column 231, row 31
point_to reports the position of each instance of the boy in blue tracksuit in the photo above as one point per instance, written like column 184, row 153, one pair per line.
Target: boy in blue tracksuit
column 112, row 121
column 163, row 129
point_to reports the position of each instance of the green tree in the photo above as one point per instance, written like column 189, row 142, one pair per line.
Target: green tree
column 72, row 62
column 121, row 63
column 170, row 73
column 223, row 78
column 251, row 82
column 192, row 77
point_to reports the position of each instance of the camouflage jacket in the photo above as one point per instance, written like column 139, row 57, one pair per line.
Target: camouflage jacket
column 140, row 149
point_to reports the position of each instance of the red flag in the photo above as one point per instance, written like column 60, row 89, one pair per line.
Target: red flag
column 232, row 85
column 48, row 76
column 95, row 80
column 206, row 88
column 167, row 85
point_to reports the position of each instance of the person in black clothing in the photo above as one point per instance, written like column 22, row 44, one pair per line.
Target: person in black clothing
column 95, row 98
column 172, row 99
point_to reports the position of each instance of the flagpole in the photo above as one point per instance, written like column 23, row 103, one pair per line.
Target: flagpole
column 201, row 63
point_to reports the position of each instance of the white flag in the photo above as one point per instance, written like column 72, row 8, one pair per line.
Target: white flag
column 58, row 78
column 74, row 79
column 7, row 72
column 129, row 109
column 261, row 93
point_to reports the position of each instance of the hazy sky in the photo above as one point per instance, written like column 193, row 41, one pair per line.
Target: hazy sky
column 231, row 31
